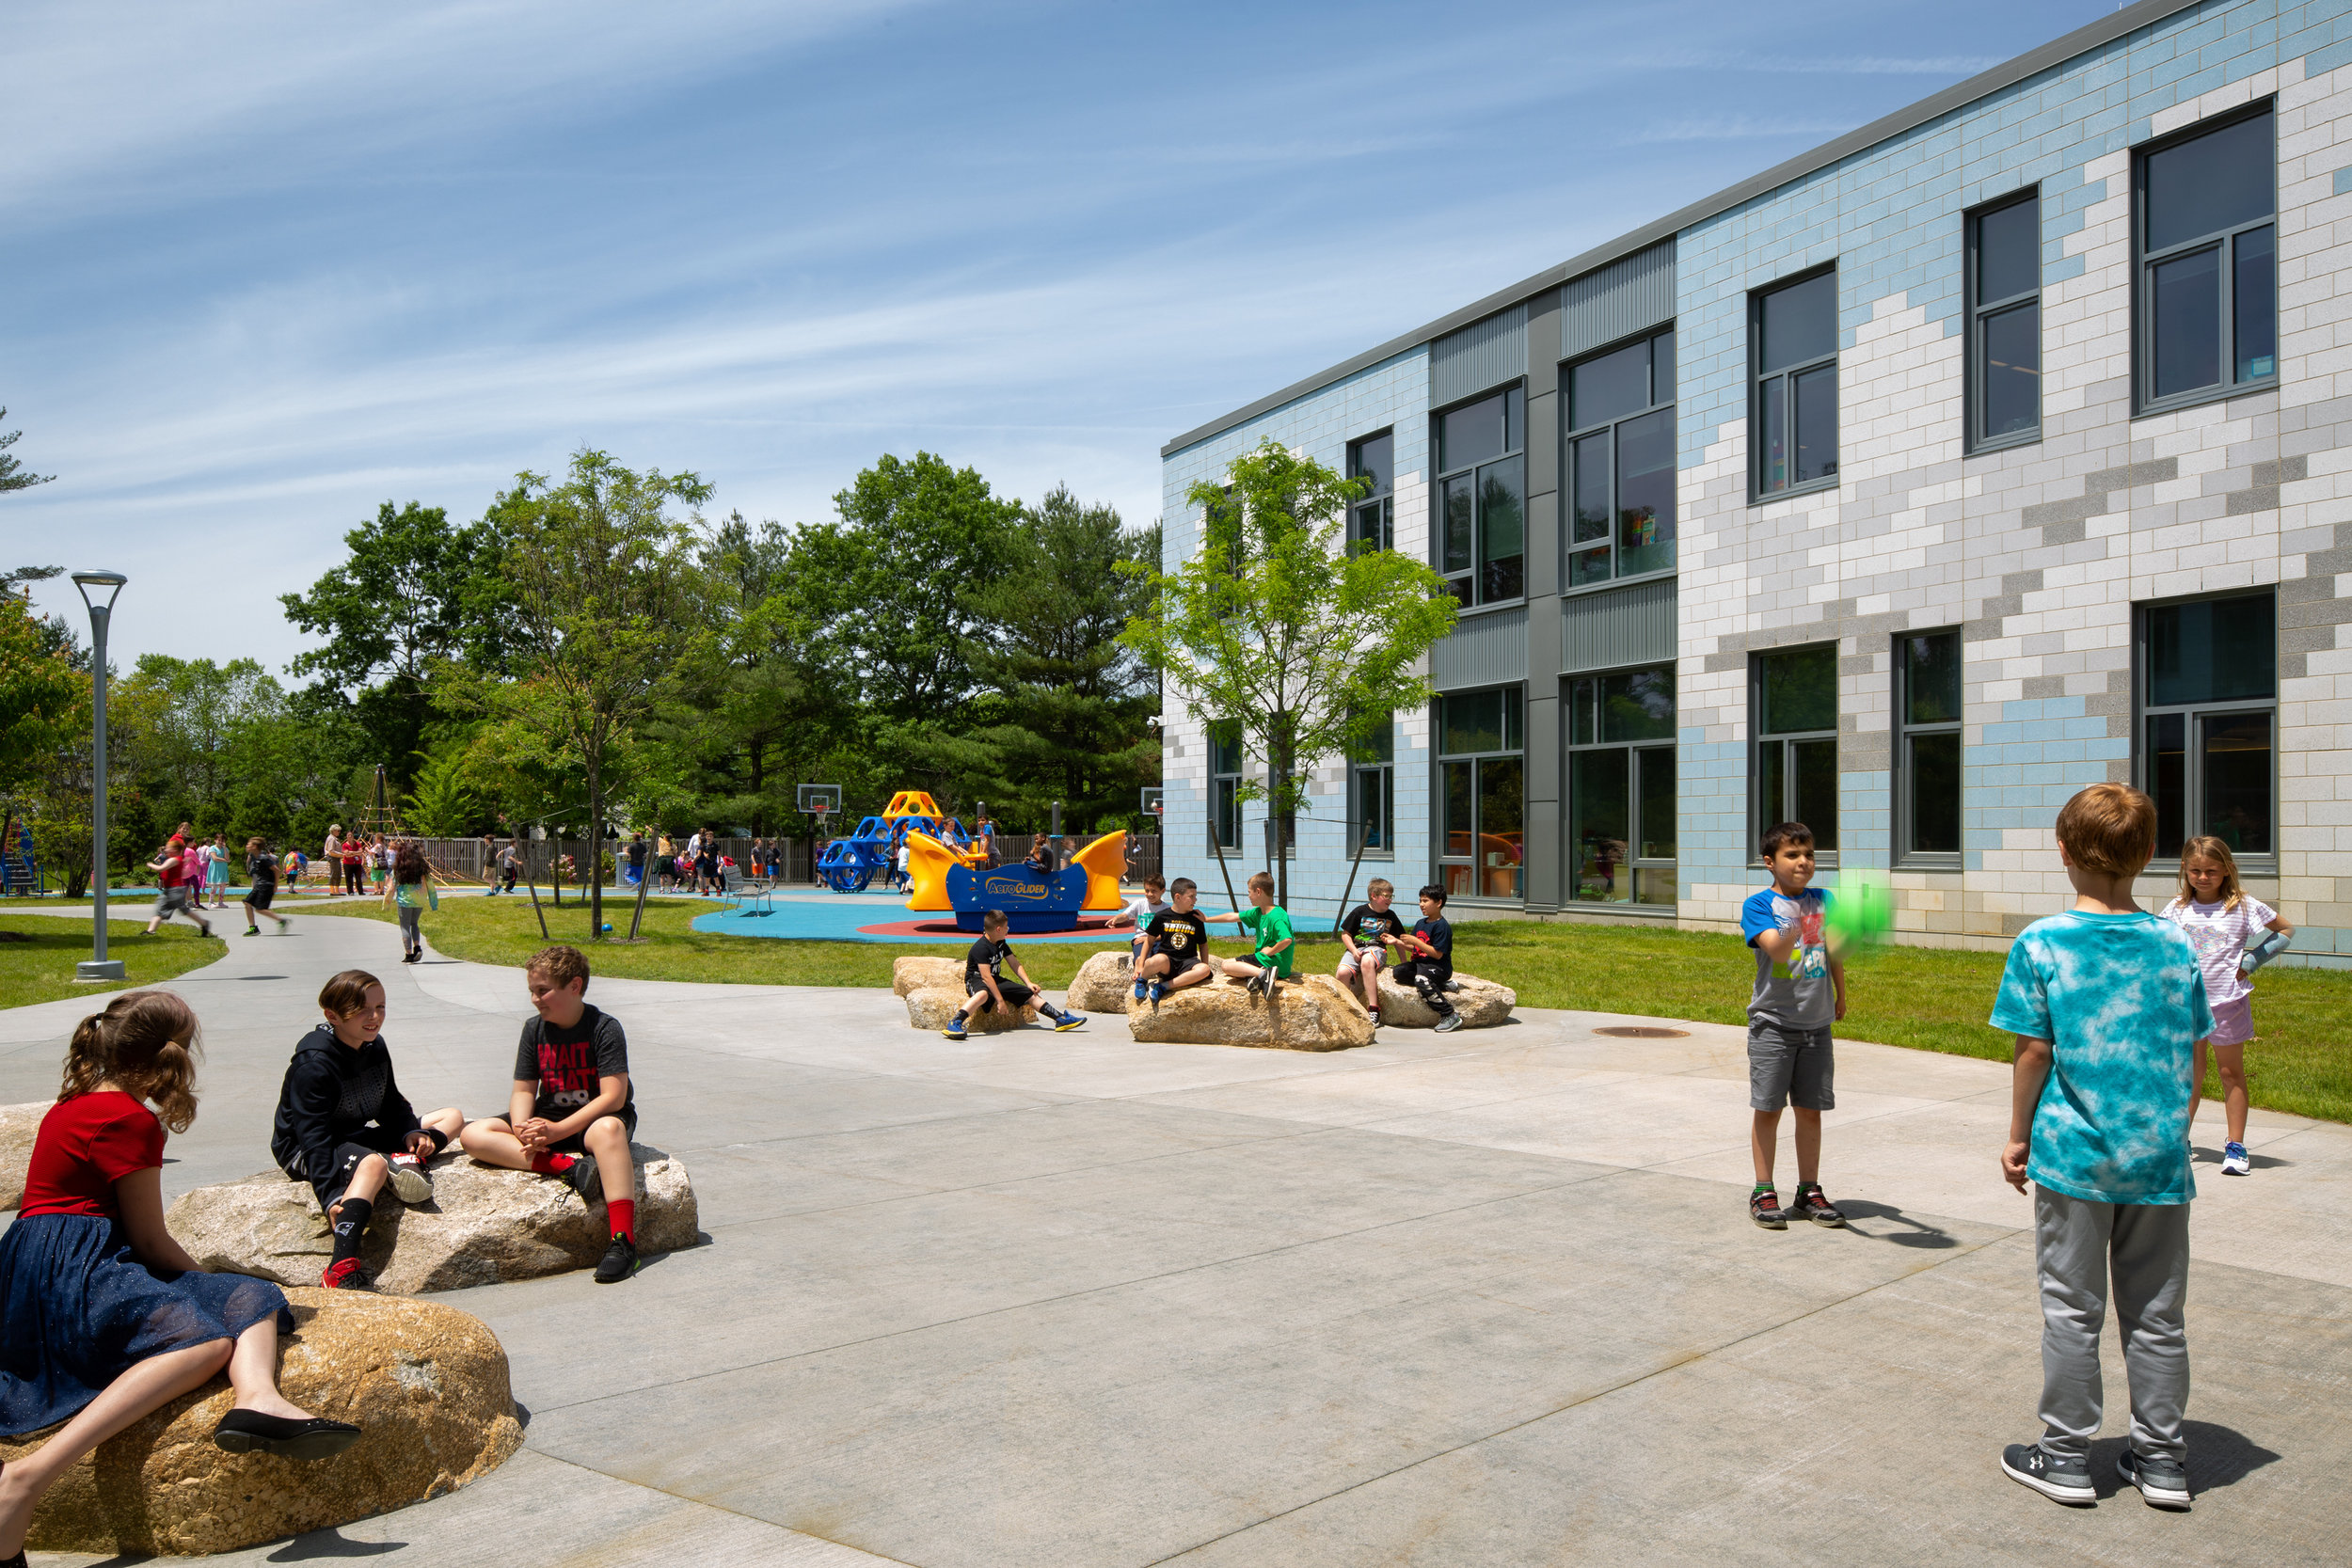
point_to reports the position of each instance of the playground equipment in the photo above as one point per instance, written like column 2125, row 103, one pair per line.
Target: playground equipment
column 947, row 879
column 849, row 864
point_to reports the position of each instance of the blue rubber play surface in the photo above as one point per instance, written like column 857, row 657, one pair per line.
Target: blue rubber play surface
column 861, row 917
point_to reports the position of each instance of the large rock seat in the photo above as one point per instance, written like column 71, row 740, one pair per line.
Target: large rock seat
column 1482, row 1003
column 924, row 971
column 19, row 1126
column 427, row 1383
column 484, row 1223
column 1105, row 982
column 932, row 1006
column 1309, row 1013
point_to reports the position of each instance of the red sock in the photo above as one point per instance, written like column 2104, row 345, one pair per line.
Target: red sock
column 624, row 1213
column 552, row 1164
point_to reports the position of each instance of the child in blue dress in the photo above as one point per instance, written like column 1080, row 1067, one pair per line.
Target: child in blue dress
column 106, row 1319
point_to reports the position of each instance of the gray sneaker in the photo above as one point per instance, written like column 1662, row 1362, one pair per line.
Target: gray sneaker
column 2164, row 1484
column 1447, row 1024
column 2061, row 1480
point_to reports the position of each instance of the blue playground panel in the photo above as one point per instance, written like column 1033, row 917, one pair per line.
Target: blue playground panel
column 831, row 917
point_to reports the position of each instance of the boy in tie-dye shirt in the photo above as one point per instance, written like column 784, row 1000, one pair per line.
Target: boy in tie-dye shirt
column 2107, row 1006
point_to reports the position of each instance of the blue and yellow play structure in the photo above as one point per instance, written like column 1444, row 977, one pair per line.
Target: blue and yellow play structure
column 849, row 864
column 946, row 872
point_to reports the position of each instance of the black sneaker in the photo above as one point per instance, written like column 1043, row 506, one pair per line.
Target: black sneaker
column 2161, row 1481
column 1811, row 1203
column 2061, row 1480
column 620, row 1261
column 1765, row 1210
column 585, row 1178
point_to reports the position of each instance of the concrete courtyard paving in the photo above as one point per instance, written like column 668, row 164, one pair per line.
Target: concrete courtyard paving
column 1482, row 1299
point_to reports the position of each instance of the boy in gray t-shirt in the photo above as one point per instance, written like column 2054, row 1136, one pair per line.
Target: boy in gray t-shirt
column 1799, row 992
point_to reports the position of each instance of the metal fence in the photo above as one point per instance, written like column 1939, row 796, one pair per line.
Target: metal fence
column 471, row 859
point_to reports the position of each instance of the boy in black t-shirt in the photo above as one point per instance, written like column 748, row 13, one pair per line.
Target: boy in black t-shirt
column 260, row 878
column 573, row 1110
column 1366, row 933
column 985, row 986
column 1176, row 949
column 1425, row 957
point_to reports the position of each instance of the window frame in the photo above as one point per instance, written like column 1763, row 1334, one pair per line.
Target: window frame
column 1636, row 863
column 1758, row 378
column 1384, row 497
column 1442, row 863
column 1218, row 781
column 1474, row 573
column 2225, row 241
column 1903, row 732
column 1824, row 859
column 1570, row 435
column 2267, row 863
column 1382, row 769
column 1973, row 438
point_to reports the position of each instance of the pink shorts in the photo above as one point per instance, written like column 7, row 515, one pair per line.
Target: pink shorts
column 2234, row 1021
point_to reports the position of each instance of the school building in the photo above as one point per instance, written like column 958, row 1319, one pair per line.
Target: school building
column 1993, row 450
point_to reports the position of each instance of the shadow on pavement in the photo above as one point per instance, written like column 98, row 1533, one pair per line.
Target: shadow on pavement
column 330, row 1544
column 2218, row 1457
column 1919, row 1233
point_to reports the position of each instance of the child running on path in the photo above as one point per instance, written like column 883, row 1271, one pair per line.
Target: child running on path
column 412, row 893
column 1269, row 926
column 260, row 886
column 573, row 1109
column 1366, row 933
column 2225, row 923
column 343, row 1126
column 1425, row 957
column 2108, row 1008
column 1176, row 946
column 985, row 986
column 1799, row 992
column 108, row 1319
column 172, row 870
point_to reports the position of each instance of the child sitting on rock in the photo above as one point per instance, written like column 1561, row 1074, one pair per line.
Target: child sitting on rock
column 1425, row 957
column 573, row 1110
column 108, row 1319
column 343, row 1126
column 985, row 986
column 1175, row 951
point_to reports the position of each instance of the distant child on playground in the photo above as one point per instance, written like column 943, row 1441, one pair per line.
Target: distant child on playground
column 2110, row 1015
column 1176, row 946
column 1140, row 911
column 1425, row 957
column 216, row 869
column 1269, row 925
column 343, row 1126
column 173, row 869
column 1799, row 992
column 573, row 1109
column 985, row 986
column 260, row 878
column 1042, row 859
column 2234, row 934
column 1366, row 933
column 411, row 892
column 108, row 1317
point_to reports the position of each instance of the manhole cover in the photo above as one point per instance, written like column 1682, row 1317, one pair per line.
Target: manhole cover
column 1641, row 1032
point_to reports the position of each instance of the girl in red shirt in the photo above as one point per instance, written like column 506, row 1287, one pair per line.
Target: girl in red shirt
column 106, row 1318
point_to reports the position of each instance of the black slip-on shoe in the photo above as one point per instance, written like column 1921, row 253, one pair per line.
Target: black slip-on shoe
column 619, row 1261
column 2061, row 1480
column 585, row 1178
column 250, row 1431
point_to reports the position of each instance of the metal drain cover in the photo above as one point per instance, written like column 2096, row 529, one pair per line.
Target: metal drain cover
column 1641, row 1031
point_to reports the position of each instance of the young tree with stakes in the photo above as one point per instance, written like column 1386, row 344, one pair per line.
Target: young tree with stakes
column 1276, row 627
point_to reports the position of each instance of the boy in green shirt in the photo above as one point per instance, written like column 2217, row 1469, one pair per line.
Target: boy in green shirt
column 1270, row 925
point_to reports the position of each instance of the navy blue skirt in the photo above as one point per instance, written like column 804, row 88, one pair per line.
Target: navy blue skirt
column 78, row 1310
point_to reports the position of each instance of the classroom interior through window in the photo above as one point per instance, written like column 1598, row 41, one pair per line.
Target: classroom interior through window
column 1620, row 436
column 1621, row 787
column 1482, row 793
column 1482, row 499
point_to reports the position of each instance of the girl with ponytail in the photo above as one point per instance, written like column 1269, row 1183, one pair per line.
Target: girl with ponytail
column 106, row 1317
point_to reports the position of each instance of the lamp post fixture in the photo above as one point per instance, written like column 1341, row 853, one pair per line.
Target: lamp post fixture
column 98, row 966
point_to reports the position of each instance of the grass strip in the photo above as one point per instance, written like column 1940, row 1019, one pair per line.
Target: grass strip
column 37, row 954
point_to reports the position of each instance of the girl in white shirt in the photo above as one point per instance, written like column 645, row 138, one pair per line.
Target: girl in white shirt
column 2234, row 934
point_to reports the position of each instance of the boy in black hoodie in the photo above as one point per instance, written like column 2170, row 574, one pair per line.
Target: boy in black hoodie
column 343, row 1126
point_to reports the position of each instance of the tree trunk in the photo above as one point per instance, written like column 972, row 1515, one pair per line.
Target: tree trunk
column 594, row 871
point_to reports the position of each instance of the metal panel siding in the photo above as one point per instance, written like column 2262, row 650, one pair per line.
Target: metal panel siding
column 1606, row 631
column 1618, row 300
column 1484, row 650
column 1483, row 355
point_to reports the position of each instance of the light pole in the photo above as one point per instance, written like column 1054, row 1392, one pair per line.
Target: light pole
column 98, row 966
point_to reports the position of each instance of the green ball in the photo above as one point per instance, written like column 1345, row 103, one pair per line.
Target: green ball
column 1862, row 907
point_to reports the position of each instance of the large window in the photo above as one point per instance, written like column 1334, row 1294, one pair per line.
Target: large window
column 1927, row 748
column 2005, row 323
column 1621, row 787
column 1372, row 522
column 1372, row 792
column 1482, row 771
column 1482, row 499
column 1793, row 328
column 1621, row 462
column 1794, row 701
column 2209, row 263
column 2209, row 692
column 1225, row 773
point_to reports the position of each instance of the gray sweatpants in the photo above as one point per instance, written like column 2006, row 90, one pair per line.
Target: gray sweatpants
column 411, row 932
column 2137, row 1252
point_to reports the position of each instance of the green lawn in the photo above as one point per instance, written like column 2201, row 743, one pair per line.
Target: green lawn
column 1927, row 999
column 40, row 966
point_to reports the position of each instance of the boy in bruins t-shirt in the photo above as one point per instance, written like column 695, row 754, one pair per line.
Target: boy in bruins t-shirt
column 573, row 1110
column 1176, row 949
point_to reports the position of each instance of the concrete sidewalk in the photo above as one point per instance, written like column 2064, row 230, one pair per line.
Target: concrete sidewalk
column 1489, row 1298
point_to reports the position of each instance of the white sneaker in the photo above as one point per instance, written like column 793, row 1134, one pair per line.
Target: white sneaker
column 411, row 1182
column 2234, row 1161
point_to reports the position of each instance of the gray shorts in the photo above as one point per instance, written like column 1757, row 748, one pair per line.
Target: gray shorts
column 171, row 901
column 1789, row 1067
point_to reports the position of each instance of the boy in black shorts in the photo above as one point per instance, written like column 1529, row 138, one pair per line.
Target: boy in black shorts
column 573, row 1110
column 1425, row 957
column 261, row 877
column 343, row 1126
column 985, row 986
column 1176, row 946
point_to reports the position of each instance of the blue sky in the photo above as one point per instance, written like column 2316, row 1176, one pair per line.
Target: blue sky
column 270, row 264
